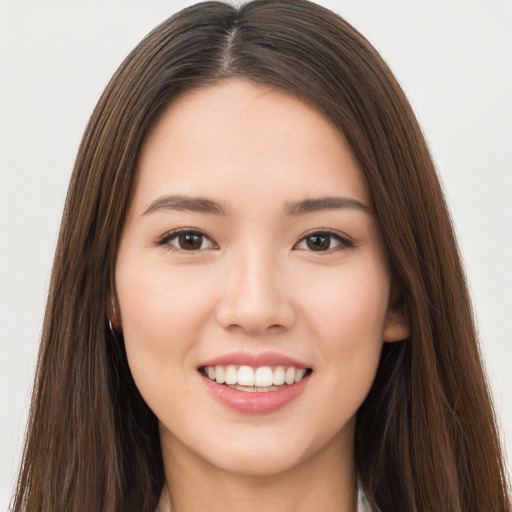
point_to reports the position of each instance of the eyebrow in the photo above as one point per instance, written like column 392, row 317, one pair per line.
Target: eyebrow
column 325, row 203
column 203, row 205
column 184, row 203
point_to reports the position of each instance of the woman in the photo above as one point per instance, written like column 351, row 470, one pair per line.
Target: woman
column 247, row 309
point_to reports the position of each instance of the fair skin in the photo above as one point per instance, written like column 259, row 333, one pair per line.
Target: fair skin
column 256, row 272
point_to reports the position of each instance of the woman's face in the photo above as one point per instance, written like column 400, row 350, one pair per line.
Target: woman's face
column 250, row 253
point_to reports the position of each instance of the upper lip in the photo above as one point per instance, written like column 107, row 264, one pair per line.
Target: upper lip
column 267, row 358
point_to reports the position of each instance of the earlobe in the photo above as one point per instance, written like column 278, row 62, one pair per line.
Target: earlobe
column 397, row 326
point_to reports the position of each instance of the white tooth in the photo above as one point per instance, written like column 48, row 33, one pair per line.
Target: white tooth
column 278, row 377
column 261, row 390
column 263, row 377
column 299, row 374
column 211, row 372
column 290, row 375
column 219, row 375
column 231, row 375
column 245, row 376
column 245, row 388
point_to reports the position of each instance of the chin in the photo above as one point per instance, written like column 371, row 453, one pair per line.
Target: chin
column 256, row 463
column 262, row 452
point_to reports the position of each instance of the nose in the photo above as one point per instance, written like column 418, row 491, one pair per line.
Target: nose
column 255, row 299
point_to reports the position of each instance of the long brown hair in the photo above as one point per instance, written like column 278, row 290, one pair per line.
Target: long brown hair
column 426, row 438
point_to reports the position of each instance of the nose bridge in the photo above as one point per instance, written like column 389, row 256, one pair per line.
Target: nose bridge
column 255, row 298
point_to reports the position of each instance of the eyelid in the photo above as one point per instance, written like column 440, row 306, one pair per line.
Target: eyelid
column 170, row 235
column 345, row 242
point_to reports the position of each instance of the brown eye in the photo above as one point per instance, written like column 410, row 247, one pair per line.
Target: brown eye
column 187, row 240
column 318, row 242
column 324, row 241
column 190, row 241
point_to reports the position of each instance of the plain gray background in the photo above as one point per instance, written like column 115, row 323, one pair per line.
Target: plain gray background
column 453, row 58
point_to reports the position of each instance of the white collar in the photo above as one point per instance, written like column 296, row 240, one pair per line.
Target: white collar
column 362, row 502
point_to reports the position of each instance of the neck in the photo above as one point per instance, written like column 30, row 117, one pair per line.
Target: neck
column 326, row 482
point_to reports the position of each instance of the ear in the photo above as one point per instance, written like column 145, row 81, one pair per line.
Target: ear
column 397, row 326
column 113, row 313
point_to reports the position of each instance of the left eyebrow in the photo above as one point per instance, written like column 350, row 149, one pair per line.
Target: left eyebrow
column 325, row 203
column 185, row 203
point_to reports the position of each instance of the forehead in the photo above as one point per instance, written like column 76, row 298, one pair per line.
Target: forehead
column 238, row 137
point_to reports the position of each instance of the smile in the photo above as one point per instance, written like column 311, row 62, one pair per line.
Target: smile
column 254, row 384
column 255, row 379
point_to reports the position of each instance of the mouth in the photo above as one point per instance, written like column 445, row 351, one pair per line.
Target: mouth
column 251, row 379
column 255, row 383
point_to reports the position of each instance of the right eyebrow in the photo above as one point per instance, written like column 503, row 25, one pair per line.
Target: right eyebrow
column 185, row 203
column 326, row 203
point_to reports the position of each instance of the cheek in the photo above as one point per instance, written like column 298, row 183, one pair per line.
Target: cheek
column 161, row 319
column 157, row 305
column 351, row 307
column 347, row 319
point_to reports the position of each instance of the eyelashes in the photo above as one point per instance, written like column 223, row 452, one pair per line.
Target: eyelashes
column 324, row 241
column 321, row 241
column 188, row 240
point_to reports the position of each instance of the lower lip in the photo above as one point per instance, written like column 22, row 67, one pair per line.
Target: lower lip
column 254, row 403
